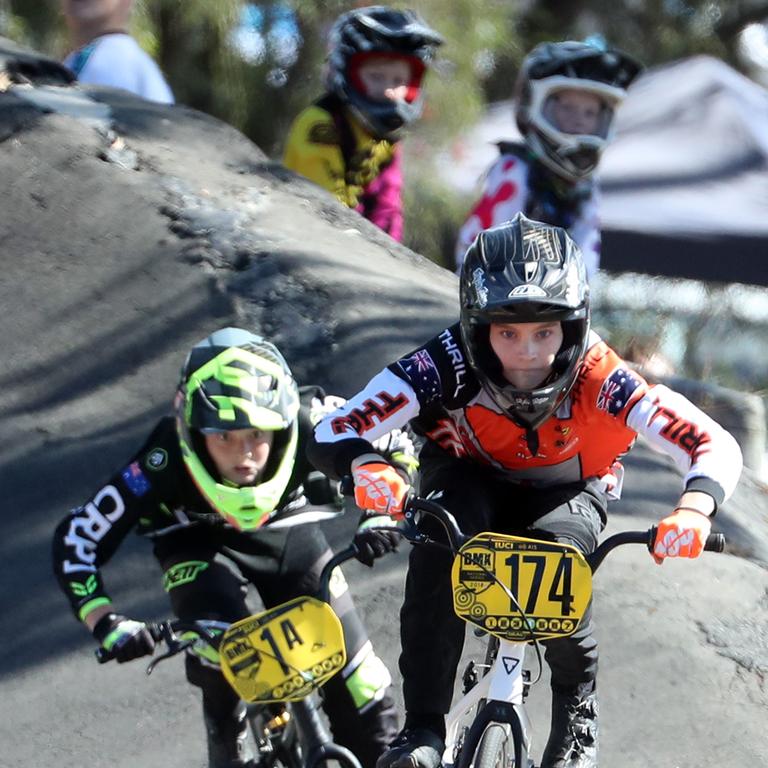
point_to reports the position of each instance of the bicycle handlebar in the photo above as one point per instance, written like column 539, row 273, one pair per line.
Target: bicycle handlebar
column 414, row 506
column 168, row 632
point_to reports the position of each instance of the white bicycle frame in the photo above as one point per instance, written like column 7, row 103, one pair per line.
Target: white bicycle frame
column 503, row 683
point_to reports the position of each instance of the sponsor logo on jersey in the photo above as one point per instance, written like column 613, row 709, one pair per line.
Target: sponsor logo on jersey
column 617, row 389
column 88, row 527
column 374, row 409
column 157, row 459
column 456, row 357
column 682, row 432
column 86, row 588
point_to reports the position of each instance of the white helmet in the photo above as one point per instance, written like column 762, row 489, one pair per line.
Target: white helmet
column 566, row 96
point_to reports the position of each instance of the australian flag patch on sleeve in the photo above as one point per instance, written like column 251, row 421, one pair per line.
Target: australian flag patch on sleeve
column 135, row 479
column 423, row 375
column 617, row 389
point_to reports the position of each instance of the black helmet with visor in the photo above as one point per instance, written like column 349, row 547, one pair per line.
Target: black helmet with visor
column 523, row 271
column 386, row 32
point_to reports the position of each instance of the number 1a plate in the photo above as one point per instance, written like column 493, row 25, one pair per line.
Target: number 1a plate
column 285, row 653
column 552, row 583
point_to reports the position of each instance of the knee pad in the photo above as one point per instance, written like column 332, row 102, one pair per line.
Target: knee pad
column 366, row 678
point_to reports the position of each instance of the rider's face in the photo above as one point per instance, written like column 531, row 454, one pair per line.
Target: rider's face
column 574, row 111
column 385, row 79
column 526, row 351
column 240, row 454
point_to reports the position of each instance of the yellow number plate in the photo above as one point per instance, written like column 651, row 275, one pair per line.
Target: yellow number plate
column 552, row 583
column 285, row 653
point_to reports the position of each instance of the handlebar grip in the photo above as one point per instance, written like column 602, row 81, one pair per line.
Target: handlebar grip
column 347, row 486
column 156, row 629
column 715, row 542
column 103, row 655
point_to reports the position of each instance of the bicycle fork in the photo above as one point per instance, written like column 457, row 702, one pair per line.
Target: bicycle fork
column 500, row 694
column 316, row 738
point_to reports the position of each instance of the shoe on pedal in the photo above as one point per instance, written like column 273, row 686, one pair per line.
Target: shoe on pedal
column 413, row 748
column 228, row 739
column 573, row 736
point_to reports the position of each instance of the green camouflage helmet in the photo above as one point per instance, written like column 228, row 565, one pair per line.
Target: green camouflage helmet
column 234, row 379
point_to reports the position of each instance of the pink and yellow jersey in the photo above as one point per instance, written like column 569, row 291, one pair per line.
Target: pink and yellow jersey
column 363, row 173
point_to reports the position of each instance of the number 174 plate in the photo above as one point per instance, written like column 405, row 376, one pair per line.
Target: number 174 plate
column 552, row 583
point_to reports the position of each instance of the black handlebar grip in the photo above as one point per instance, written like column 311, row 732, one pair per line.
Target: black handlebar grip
column 347, row 486
column 156, row 630
column 103, row 655
column 715, row 542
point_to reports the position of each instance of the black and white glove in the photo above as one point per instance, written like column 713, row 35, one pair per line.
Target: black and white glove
column 124, row 639
column 376, row 536
column 319, row 409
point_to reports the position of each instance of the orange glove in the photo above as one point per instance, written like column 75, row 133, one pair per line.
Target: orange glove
column 378, row 486
column 681, row 534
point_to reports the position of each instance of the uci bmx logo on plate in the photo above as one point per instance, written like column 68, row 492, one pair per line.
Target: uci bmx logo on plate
column 477, row 568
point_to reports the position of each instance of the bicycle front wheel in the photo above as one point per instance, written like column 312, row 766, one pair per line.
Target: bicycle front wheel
column 496, row 748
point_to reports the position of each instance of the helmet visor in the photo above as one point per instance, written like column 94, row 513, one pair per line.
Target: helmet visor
column 578, row 112
column 563, row 107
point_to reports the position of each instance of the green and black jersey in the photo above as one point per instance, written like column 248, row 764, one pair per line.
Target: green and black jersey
column 154, row 495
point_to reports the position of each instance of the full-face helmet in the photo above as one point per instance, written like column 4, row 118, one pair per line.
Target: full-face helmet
column 523, row 271
column 566, row 96
column 234, row 379
column 379, row 31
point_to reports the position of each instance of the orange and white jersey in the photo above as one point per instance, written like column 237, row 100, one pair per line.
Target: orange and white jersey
column 608, row 406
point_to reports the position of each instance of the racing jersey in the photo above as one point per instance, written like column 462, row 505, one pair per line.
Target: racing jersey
column 434, row 388
column 516, row 184
column 118, row 61
column 328, row 146
column 154, row 494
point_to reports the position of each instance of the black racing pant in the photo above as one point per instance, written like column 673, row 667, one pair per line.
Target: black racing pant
column 432, row 636
column 282, row 564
